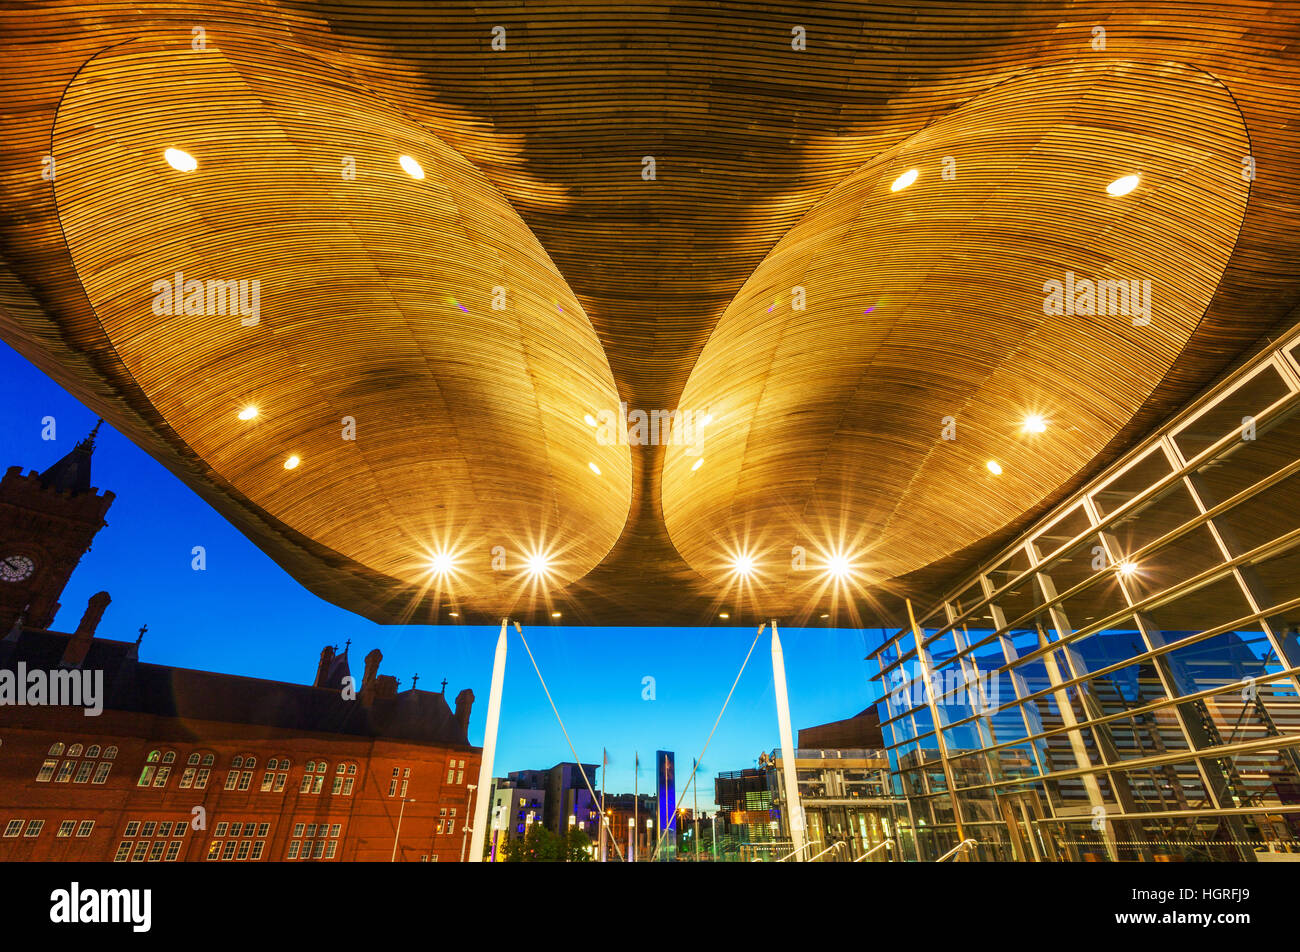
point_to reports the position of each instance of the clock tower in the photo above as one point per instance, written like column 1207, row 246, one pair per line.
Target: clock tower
column 47, row 521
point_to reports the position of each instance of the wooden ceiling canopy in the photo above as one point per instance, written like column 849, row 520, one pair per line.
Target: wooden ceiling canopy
column 772, row 171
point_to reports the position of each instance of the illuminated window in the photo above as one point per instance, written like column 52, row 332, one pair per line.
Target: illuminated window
column 65, row 772
column 84, row 771
column 123, row 851
column 46, row 771
column 201, row 780
column 293, row 849
column 132, row 828
column 13, row 828
column 75, row 750
column 85, row 829
column 92, row 751
column 173, row 850
column 56, row 749
column 66, row 828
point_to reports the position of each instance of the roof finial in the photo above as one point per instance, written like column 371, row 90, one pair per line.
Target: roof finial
column 143, row 629
column 346, row 645
column 415, row 680
column 89, row 442
column 444, row 685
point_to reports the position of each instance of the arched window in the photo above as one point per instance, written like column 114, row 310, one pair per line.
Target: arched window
column 276, row 775
column 92, row 750
column 193, row 775
column 208, row 760
column 57, row 749
column 169, row 757
column 153, row 757
column 75, row 750
column 110, row 753
column 238, row 779
column 344, row 778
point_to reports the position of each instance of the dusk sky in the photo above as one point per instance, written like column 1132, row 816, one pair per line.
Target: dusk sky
column 245, row 615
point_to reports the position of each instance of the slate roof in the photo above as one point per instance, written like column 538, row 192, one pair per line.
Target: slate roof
column 187, row 694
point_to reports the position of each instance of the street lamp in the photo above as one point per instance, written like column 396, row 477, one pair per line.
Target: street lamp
column 405, row 801
column 469, row 800
column 631, row 840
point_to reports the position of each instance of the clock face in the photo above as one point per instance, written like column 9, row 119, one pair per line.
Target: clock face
column 16, row 568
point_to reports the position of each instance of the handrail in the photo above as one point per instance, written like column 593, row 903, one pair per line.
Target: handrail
column 963, row 845
column 834, row 846
column 757, row 859
column 887, row 844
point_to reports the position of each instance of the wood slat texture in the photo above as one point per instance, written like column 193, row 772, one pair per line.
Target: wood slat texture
column 748, row 135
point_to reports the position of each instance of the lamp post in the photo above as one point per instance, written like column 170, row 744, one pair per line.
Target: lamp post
column 631, row 840
column 649, row 832
column 405, row 801
column 714, row 840
column 469, row 800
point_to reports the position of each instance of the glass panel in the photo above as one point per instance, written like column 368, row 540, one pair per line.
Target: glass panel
column 1069, row 526
column 1248, row 399
column 1243, row 463
column 1274, row 580
column 1261, row 518
column 1145, row 473
column 1209, row 606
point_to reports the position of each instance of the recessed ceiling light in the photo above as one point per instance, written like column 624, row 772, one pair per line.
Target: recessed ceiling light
column 1035, row 424
column 994, row 467
column 410, row 166
column 248, row 413
column 538, row 564
column 723, row 615
column 1127, row 568
column 708, row 418
column 904, row 180
column 181, row 161
column 442, row 563
column 555, row 614
column 591, row 420
column 743, row 565
column 826, row 616
column 1122, row 186
column 454, row 614
column 698, row 463
column 594, row 468
column 839, row 566
column 292, row 462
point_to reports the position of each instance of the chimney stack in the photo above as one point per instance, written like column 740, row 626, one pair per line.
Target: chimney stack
column 323, row 669
column 369, row 680
column 464, row 701
column 79, row 644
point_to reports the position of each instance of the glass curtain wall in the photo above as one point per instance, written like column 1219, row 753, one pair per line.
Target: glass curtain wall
column 1121, row 684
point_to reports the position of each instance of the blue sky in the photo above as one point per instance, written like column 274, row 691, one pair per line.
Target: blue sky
column 245, row 615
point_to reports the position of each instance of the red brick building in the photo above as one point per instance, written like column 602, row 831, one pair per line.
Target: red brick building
column 185, row 765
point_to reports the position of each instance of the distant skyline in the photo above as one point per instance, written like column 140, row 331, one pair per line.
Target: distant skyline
column 245, row 615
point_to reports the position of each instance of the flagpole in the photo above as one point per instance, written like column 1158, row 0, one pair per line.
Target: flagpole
column 604, row 769
column 636, row 803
